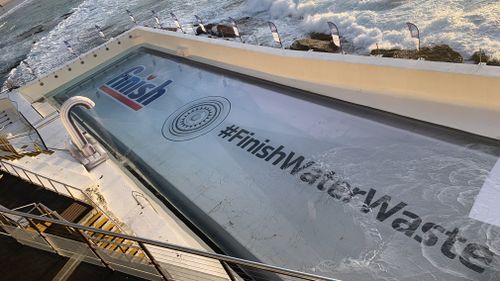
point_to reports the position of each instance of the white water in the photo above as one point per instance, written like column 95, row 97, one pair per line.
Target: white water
column 465, row 25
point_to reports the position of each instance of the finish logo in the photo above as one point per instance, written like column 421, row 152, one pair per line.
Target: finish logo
column 132, row 90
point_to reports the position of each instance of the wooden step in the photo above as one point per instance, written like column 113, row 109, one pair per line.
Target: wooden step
column 74, row 211
column 108, row 238
column 121, row 246
column 115, row 243
column 133, row 251
column 10, row 153
column 6, row 146
column 89, row 222
column 99, row 224
column 124, row 247
column 43, row 226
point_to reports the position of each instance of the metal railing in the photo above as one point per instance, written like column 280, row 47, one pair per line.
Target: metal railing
column 11, row 111
column 45, row 182
column 53, row 185
column 156, row 260
column 38, row 207
column 41, row 210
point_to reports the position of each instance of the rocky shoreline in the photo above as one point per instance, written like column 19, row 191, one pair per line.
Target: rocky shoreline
column 482, row 57
column 431, row 53
column 217, row 30
column 319, row 42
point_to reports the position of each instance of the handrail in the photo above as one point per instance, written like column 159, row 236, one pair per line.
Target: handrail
column 25, row 121
column 33, row 205
column 140, row 240
column 86, row 198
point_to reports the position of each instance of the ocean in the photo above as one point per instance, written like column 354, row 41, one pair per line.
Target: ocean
column 34, row 30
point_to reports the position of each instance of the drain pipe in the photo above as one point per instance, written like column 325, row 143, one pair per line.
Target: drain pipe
column 83, row 147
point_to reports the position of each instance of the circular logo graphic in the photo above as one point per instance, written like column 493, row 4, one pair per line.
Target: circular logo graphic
column 196, row 118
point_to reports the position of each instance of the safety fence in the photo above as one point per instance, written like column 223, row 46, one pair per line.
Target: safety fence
column 141, row 257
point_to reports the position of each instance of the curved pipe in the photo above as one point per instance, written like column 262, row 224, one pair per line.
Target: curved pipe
column 76, row 136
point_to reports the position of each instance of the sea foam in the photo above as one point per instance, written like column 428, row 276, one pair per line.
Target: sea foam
column 465, row 25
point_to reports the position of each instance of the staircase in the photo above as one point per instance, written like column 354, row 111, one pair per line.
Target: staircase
column 8, row 152
column 97, row 240
column 18, row 138
column 113, row 245
column 74, row 212
column 78, row 213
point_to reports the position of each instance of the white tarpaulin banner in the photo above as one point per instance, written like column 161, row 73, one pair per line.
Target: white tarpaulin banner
column 486, row 207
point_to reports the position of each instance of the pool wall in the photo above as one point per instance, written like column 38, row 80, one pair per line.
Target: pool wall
column 458, row 96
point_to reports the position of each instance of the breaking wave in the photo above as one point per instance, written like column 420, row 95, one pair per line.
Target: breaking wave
column 465, row 25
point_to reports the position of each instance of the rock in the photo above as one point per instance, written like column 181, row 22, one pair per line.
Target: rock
column 219, row 30
column 320, row 36
column 484, row 58
column 441, row 53
column 435, row 53
column 170, row 29
column 315, row 45
column 6, row 68
column 493, row 62
column 480, row 57
column 9, row 85
column 225, row 31
column 386, row 53
column 199, row 31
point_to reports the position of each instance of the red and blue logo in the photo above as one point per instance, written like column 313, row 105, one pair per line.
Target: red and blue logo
column 134, row 91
